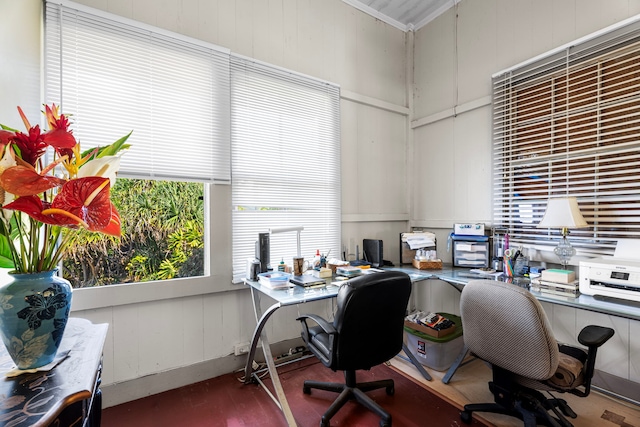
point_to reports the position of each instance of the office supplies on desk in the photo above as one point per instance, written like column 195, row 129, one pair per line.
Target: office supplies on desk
column 307, row 280
column 348, row 271
column 411, row 242
column 470, row 251
column 274, row 279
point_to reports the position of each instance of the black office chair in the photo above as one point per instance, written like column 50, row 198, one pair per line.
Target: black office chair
column 506, row 326
column 367, row 330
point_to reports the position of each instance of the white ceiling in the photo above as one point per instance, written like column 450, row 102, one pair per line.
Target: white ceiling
column 404, row 14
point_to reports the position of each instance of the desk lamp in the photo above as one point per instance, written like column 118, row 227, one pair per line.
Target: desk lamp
column 564, row 213
column 298, row 229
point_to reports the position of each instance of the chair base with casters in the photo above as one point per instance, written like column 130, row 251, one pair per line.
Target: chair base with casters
column 527, row 404
column 351, row 390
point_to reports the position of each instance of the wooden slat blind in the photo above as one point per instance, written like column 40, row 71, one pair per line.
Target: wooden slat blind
column 569, row 124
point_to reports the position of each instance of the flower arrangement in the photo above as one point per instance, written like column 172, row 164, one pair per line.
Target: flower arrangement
column 38, row 200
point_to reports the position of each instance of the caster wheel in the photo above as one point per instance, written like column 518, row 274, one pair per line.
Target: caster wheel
column 465, row 416
column 324, row 424
column 391, row 391
column 385, row 424
column 306, row 390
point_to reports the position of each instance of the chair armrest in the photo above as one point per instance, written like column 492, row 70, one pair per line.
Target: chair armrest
column 594, row 336
column 326, row 326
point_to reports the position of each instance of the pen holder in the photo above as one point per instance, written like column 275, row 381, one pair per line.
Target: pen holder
column 507, row 267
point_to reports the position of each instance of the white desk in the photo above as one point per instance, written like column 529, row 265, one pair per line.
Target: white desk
column 292, row 296
column 456, row 277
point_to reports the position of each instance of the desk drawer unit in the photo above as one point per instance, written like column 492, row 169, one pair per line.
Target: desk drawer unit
column 470, row 251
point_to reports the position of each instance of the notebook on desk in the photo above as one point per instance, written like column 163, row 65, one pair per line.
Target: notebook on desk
column 307, row 280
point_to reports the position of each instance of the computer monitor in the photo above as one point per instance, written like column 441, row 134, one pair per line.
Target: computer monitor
column 372, row 249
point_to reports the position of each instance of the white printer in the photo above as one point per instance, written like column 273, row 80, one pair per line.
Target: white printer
column 611, row 276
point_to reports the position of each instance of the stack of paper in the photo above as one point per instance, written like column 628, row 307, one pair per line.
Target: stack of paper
column 557, row 282
column 274, row 279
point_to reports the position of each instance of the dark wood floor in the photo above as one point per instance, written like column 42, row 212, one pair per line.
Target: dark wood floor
column 225, row 401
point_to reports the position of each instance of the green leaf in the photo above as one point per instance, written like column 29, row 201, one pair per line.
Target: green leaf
column 6, row 262
column 111, row 149
column 3, row 127
column 6, row 259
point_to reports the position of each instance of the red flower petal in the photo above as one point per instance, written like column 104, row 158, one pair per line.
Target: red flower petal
column 33, row 206
column 59, row 138
column 25, row 181
column 113, row 229
column 75, row 193
column 5, row 136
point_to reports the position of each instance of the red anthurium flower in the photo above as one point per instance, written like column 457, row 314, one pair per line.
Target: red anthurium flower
column 80, row 200
column 113, row 229
column 87, row 199
column 34, row 207
column 26, row 181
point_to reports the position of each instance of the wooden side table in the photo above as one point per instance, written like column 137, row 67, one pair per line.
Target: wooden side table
column 67, row 395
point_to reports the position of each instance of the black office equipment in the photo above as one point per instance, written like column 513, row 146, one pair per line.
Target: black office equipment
column 372, row 250
column 263, row 252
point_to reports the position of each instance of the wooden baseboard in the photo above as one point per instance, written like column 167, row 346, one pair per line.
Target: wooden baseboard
column 126, row 391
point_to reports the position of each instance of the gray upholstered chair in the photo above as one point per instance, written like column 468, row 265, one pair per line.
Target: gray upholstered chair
column 367, row 330
column 506, row 326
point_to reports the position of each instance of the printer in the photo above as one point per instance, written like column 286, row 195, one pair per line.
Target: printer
column 611, row 276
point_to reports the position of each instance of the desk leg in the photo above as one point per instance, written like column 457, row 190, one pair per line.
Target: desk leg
column 261, row 320
column 456, row 364
column 416, row 363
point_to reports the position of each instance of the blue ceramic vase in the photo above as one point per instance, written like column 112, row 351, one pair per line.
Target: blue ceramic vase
column 34, row 309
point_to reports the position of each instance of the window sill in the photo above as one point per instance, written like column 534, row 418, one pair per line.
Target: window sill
column 135, row 293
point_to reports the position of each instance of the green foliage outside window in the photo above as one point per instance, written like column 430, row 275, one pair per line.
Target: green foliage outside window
column 162, row 236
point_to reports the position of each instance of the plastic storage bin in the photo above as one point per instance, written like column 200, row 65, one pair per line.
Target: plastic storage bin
column 470, row 251
column 436, row 353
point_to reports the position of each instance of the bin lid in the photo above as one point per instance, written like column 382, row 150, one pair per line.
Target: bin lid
column 458, row 332
column 465, row 238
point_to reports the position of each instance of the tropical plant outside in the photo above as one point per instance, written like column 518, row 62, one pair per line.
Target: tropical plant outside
column 162, row 236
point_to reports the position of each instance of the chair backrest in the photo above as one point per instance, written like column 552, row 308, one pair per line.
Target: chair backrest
column 506, row 326
column 369, row 319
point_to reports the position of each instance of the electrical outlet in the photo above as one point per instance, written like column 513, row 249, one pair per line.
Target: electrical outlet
column 241, row 349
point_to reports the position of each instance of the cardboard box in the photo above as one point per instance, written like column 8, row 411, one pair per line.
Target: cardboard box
column 435, row 264
column 430, row 331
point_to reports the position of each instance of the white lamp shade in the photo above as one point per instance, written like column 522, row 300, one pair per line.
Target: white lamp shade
column 563, row 212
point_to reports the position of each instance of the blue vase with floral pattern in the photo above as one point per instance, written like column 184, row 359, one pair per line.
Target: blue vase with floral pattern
column 34, row 309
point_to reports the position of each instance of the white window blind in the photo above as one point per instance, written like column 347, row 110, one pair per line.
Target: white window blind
column 116, row 75
column 285, row 131
column 568, row 123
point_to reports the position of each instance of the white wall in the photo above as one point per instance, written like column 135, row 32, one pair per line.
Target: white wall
column 157, row 328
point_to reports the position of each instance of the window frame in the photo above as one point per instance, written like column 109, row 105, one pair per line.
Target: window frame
column 216, row 277
column 286, row 169
column 556, row 118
